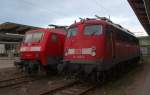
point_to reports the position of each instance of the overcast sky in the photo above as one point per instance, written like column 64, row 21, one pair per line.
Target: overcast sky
column 41, row 13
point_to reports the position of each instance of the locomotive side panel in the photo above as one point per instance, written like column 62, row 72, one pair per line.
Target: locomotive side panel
column 109, row 50
column 126, row 46
column 54, row 49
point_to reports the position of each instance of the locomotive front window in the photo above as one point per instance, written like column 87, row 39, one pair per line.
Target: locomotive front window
column 28, row 38
column 37, row 37
column 33, row 37
column 72, row 32
column 93, row 30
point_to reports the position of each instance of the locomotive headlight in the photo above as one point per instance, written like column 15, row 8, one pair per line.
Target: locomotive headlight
column 66, row 52
column 71, row 51
column 22, row 49
column 93, row 52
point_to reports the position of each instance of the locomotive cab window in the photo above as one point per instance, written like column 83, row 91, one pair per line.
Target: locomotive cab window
column 28, row 38
column 93, row 30
column 54, row 38
column 37, row 37
column 33, row 37
column 72, row 32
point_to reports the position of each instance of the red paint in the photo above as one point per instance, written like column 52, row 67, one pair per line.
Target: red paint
column 108, row 47
column 48, row 47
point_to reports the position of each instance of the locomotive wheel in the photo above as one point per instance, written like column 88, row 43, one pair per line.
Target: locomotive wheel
column 93, row 76
column 31, row 67
column 97, row 76
column 103, row 77
column 69, row 75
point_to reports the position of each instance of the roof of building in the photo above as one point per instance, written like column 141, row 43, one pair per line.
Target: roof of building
column 142, row 11
column 9, row 27
column 13, row 31
column 144, row 41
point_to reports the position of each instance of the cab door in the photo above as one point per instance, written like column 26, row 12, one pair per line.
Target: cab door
column 53, row 49
column 55, row 44
column 110, row 47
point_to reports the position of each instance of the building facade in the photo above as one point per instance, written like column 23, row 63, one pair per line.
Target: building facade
column 145, row 45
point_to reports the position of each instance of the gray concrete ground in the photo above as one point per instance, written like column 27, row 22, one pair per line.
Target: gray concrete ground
column 6, row 62
column 135, row 82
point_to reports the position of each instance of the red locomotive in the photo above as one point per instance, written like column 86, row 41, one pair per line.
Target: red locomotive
column 96, row 45
column 42, row 49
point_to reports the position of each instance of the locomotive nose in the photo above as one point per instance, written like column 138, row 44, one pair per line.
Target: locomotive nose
column 84, row 49
column 32, row 52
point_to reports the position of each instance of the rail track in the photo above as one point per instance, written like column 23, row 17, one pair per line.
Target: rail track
column 56, row 86
column 68, row 88
column 14, row 81
column 78, row 89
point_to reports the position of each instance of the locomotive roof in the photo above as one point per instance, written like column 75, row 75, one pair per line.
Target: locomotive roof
column 58, row 30
column 52, row 30
column 102, row 20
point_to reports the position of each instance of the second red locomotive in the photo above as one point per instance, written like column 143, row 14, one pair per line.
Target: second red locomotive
column 96, row 45
column 42, row 49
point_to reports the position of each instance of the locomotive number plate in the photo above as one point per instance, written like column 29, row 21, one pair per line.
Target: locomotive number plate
column 79, row 56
